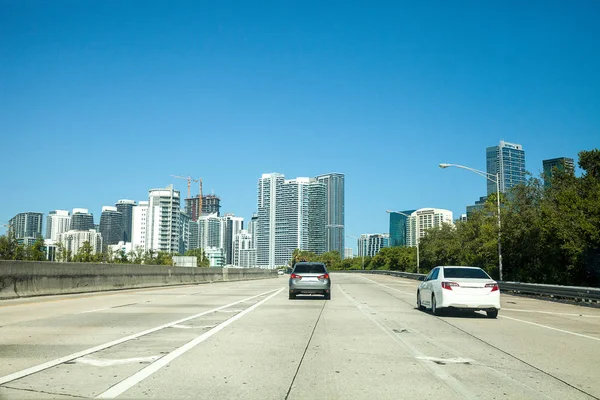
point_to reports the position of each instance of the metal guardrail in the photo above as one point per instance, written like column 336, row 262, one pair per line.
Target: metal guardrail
column 408, row 275
column 585, row 294
column 554, row 291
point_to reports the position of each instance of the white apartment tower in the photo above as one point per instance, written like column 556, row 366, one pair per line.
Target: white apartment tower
column 162, row 221
column 291, row 215
column 426, row 218
column 230, row 227
column 244, row 255
column 57, row 222
column 139, row 214
column 268, row 188
column 73, row 240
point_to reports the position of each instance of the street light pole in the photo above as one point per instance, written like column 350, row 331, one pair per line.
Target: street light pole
column 363, row 251
column 489, row 177
column 416, row 232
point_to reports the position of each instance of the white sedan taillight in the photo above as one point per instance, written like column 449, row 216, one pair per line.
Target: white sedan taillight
column 494, row 286
column 449, row 285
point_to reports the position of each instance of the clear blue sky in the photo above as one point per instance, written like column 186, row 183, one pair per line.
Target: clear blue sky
column 103, row 100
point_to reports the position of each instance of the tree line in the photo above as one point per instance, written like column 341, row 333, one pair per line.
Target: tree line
column 11, row 249
column 550, row 233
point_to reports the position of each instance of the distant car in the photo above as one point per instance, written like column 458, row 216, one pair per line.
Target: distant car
column 309, row 278
column 459, row 287
column 280, row 272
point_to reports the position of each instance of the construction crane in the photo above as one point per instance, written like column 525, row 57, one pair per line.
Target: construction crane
column 189, row 180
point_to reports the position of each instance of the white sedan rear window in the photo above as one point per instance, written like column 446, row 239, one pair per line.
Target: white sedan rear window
column 474, row 273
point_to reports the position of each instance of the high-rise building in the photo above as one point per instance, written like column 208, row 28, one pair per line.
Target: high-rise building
column 335, row 236
column 244, row 254
column 57, row 222
column 348, row 253
column 230, row 227
column 507, row 159
column 162, row 221
column 252, row 228
column 192, row 207
column 216, row 257
column 317, row 217
column 185, row 222
column 399, row 228
column 73, row 240
column 291, row 220
column 139, row 216
column 82, row 220
column 369, row 244
column 26, row 225
column 194, row 235
column 563, row 164
column 268, row 188
column 209, row 232
column 478, row 206
column 426, row 218
column 291, row 215
column 111, row 226
column 125, row 207
column 211, row 204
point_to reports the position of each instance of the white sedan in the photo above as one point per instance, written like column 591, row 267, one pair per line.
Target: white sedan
column 464, row 288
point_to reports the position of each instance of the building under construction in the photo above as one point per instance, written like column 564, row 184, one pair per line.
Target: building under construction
column 211, row 204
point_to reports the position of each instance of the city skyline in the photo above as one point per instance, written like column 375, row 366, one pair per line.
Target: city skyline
column 352, row 244
column 383, row 95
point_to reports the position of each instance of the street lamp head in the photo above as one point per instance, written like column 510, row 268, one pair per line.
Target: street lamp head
column 443, row 165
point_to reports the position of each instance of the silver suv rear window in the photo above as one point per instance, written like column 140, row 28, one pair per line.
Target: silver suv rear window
column 309, row 269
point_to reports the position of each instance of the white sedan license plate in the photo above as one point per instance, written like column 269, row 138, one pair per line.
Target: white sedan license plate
column 309, row 279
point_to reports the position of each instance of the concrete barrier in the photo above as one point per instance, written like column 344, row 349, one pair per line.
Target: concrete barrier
column 31, row 278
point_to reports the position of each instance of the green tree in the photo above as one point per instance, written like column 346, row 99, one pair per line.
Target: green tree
column 149, row 257
column 164, row 258
column 136, row 256
column 302, row 255
column 331, row 259
column 62, row 254
column 201, row 259
column 85, row 253
column 10, row 249
column 37, row 251
column 396, row 259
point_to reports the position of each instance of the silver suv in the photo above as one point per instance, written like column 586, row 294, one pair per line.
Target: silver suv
column 310, row 277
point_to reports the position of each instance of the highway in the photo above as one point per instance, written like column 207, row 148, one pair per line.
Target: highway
column 246, row 340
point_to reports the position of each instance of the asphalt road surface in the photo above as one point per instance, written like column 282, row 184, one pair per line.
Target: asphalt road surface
column 246, row 340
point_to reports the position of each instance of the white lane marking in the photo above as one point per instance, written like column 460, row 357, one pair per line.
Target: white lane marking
column 182, row 326
column 462, row 390
column 207, row 326
column 139, row 376
column 389, row 287
column 229, row 311
column 457, row 360
column 60, row 360
column 549, row 327
column 96, row 310
column 551, row 313
column 98, row 362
